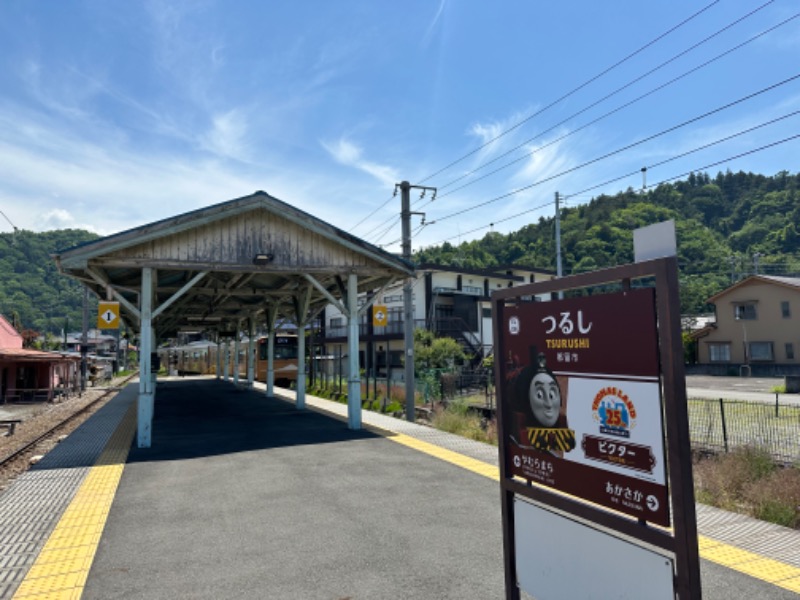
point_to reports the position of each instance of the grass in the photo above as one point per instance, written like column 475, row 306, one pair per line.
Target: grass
column 457, row 418
column 748, row 481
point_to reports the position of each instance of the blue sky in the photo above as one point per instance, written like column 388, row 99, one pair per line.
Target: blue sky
column 114, row 114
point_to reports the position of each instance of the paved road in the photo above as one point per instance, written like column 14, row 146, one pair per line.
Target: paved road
column 755, row 389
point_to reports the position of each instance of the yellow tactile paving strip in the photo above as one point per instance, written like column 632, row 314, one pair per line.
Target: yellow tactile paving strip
column 749, row 563
column 61, row 569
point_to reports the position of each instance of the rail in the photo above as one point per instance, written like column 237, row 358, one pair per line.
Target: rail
column 23, row 449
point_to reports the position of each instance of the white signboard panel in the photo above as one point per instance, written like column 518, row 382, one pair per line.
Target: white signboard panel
column 560, row 558
column 655, row 241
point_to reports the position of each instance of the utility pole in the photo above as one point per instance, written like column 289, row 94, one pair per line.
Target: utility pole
column 84, row 337
column 756, row 256
column 408, row 303
column 558, row 237
column 559, row 272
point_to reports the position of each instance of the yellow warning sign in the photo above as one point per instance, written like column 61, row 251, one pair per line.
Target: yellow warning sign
column 380, row 316
column 108, row 315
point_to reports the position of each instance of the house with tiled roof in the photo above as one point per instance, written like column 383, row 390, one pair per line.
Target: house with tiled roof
column 756, row 330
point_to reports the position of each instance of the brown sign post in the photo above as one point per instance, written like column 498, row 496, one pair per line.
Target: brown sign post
column 592, row 415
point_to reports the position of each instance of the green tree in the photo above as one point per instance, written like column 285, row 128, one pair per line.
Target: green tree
column 431, row 352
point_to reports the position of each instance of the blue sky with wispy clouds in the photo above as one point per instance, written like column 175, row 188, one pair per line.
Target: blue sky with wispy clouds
column 114, row 114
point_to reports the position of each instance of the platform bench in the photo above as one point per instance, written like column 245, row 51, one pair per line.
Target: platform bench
column 10, row 424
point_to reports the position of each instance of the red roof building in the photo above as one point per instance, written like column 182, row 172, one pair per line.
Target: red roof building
column 32, row 375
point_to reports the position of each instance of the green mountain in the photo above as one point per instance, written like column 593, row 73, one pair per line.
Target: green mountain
column 33, row 294
column 727, row 227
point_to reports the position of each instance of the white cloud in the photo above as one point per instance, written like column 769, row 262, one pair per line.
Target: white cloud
column 227, row 137
column 53, row 177
column 349, row 154
column 435, row 23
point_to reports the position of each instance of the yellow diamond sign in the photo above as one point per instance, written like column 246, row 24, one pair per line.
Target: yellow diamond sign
column 380, row 316
column 108, row 315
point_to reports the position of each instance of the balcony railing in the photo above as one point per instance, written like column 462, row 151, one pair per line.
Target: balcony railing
column 391, row 328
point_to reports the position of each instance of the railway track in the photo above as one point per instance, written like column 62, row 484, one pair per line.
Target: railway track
column 12, row 461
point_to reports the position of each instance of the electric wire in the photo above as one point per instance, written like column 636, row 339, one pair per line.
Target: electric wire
column 654, row 185
column 609, row 113
column 573, row 91
column 687, row 153
column 622, row 149
column 398, row 240
column 354, row 227
column 395, row 219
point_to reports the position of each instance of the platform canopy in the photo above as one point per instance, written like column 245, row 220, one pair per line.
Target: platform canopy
column 215, row 268
column 228, row 261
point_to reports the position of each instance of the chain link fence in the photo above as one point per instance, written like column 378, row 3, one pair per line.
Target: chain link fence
column 719, row 425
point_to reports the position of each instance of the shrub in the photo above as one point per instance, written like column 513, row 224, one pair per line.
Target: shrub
column 394, row 407
column 748, row 481
column 459, row 420
column 720, row 480
column 776, row 497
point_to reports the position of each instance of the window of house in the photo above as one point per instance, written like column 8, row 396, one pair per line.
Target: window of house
column 785, row 310
column 790, row 351
column 745, row 312
column 761, row 351
column 719, row 352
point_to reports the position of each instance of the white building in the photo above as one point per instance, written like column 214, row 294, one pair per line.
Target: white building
column 447, row 300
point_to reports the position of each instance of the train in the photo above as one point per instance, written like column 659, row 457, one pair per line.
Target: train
column 200, row 358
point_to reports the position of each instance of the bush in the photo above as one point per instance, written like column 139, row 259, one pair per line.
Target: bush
column 459, row 420
column 720, row 480
column 776, row 497
column 748, row 481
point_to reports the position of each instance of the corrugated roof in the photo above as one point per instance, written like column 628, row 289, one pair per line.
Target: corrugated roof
column 34, row 355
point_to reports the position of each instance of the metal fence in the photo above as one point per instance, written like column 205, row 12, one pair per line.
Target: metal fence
column 722, row 425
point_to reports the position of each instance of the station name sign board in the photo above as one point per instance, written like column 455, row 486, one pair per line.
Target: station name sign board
column 582, row 403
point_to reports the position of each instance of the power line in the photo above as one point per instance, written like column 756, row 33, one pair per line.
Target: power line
column 611, row 112
column 573, row 91
column 606, row 115
column 623, row 148
column 663, row 181
column 688, row 152
column 394, row 220
column 354, row 227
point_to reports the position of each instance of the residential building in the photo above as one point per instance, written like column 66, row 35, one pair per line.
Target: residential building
column 757, row 328
column 31, row 375
column 447, row 300
column 97, row 342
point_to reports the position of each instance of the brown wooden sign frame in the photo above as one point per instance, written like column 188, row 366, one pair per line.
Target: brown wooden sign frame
column 679, row 540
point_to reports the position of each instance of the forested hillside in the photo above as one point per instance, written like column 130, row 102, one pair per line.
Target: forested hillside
column 726, row 228
column 33, row 294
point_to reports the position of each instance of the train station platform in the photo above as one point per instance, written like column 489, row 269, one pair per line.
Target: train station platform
column 244, row 496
